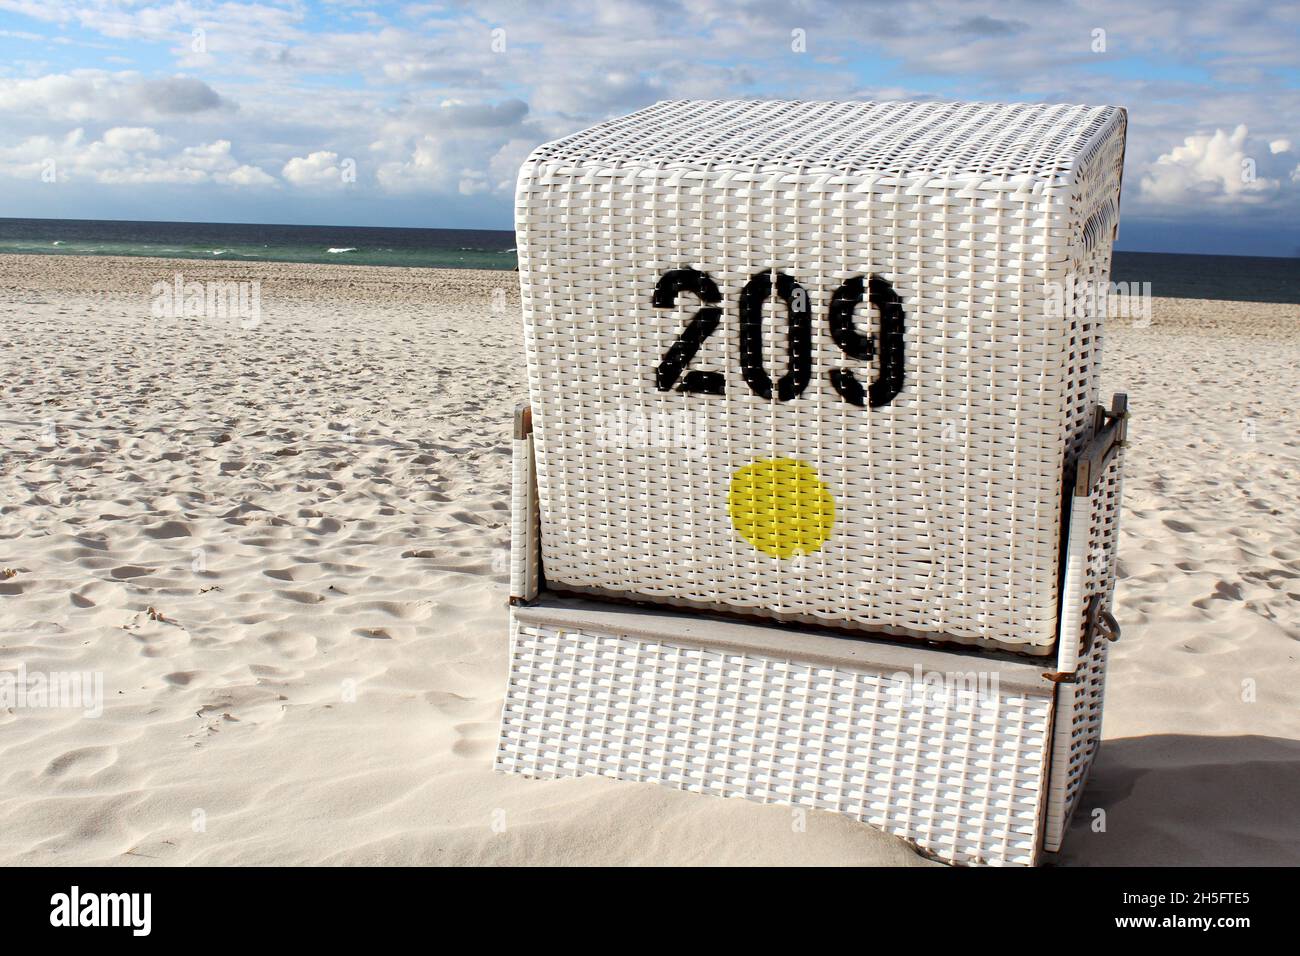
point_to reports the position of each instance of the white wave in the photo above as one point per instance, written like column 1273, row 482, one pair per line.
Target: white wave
column 335, row 250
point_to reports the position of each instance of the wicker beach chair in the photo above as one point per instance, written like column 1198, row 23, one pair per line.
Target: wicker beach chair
column 814, row 501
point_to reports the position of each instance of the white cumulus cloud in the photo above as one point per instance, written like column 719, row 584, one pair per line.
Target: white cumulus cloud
column 432, row 105
column 1217, row 168
column 424, row 170
column 126, row 154
column 140, row 138
column 321, row 168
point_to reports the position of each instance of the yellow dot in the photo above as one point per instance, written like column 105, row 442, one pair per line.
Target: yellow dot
column 781, row 507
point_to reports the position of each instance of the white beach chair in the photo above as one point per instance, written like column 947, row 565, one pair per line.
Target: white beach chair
column 855, row 553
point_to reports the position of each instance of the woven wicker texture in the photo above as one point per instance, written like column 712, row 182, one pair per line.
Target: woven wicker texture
column 1076, row 736
column 936, row 512
column 962, row 779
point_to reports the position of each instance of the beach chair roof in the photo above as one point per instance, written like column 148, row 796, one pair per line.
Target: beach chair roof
column 908, row 139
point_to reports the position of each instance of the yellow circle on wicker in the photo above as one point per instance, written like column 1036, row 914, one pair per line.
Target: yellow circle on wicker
column 781, row 507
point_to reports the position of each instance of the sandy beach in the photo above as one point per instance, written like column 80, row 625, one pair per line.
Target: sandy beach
column 283, row 545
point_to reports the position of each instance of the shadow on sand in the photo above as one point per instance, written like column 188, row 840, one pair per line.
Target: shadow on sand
column 1178, row 800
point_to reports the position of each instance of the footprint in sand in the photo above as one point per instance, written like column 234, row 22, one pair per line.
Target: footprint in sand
column 1223, row 591
column 291, row 644
column 300, row 597
column 1275, row 578
column 127, row 571
column 157, row 638
column 84, row 762
column 469, row 517
column 402, row 610
column 292, row 573
column 269, row 672
column 451, row 704
column 168, row 529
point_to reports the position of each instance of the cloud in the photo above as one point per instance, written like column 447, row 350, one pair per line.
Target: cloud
column 100, row 95
column 986, row 26
column 503, row 167
column 458, row 114
column 430, row 106
column 1207, row 167
column 209, row 157
column 140, row 138
column 249, row 176
column 425, row 169
column 455, row 146
column 321, row 168
column 126, row 155
column 177, row 94
column 472, row 183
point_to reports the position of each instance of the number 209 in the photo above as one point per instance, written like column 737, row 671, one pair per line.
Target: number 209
column 844, row 301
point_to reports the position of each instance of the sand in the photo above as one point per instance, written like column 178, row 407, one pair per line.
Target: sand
column 283, row 547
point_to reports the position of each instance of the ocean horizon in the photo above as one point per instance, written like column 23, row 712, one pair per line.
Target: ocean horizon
column 262, row 242
column 1174, row 275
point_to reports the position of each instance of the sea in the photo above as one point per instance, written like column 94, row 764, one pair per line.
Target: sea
column 1231, row 278
column 246, row 242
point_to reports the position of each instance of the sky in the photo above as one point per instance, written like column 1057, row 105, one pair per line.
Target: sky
column 419, row 114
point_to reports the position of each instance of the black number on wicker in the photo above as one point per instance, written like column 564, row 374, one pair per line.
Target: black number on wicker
column 700, row 327
column 855, row 345
column 799, row 311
